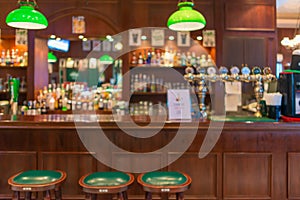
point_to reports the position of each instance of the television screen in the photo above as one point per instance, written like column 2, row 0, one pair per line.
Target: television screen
column 59, row 45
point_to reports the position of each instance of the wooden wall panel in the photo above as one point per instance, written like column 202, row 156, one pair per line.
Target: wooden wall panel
column 101, row 18
column 207, row 8
column 13, row 162
column 207, row 169
column 250, row 15
column 293, row 175
column 75, row 164
column 247, row 175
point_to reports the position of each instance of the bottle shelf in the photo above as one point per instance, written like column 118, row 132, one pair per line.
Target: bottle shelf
column 5, row 93
column 13, row 67
column 148, row 93
column 79, row 112
column 157, row 66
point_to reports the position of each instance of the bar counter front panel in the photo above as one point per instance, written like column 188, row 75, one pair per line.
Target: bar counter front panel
column 249, row 161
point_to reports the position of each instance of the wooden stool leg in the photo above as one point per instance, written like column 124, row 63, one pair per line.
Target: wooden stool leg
column 120, row 196
column 36, row 196
column 148, row 196
column 16, row 195
column 47, row 195
column 179, row 196
column 125, row 195
column 58, row 193
column 94, row 196
column 27, row 195
column 164, row 196
column 89, row 196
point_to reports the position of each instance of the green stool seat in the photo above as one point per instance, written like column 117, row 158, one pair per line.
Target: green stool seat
column 37, row 181
column 164, row 178
column 37, row 177
column 106, row 183
column 164, row 182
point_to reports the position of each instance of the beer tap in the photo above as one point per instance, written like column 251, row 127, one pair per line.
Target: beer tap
column 223, row 74
column 258, row 89
column 235, row 74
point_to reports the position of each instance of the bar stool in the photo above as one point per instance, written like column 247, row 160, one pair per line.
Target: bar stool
column 37, row 181
column 106, row 183
column 165, row 183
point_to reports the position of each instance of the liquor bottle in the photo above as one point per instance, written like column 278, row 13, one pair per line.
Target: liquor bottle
column 140, row 59
column 7, row 58
column 101, row 103
column 149, row 57
column 144, row 83
column 162, row 59
column 183, row 59
column 23, row 85
column 43, row 108
column 84, row 104
column 193, row 59
column 133, row 58
column 3, row 57
column 64, row 106
column 153, row 57
column 188, row 58
column 153, row 84
column 52, row 103
column 60, row 102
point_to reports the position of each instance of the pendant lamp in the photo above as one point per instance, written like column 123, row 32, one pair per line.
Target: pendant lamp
column 26, row 17
column 51, row 57
column 186, row 18
column 106, row 59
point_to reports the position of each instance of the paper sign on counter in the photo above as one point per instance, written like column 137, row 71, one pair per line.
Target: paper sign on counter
column 179, row 104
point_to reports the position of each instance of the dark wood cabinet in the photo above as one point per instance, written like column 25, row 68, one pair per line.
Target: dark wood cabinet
column 238, row 51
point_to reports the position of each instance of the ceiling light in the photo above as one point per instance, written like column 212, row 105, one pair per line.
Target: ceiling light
column 171, row 37
column 143, row 37
column 84, row 39
column 199, row 37
column 80, row 37
column 58, row 38
column 186, row 19
column 119, row 46
column 26, row 17
column 52, row 36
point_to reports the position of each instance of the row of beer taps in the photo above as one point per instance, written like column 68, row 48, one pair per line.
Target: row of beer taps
column 200, row 76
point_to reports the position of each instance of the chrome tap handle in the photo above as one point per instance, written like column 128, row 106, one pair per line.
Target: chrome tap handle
column 223, row 71
column 246, row 74
column 235, row 73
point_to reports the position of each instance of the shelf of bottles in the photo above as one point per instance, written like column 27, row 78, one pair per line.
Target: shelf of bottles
column 4, row 85
column 13, row 64
column 168, row 58
column 150, row 70
column 13, row 58
column 72, row 97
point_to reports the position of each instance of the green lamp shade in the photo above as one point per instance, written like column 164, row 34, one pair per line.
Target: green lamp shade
column 26, row 17
column 106, row 59
column 51, row 58
column 186, row 19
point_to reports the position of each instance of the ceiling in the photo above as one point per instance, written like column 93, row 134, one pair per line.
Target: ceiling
column 288, row 11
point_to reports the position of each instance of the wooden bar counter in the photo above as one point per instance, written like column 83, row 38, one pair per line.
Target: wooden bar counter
column 250, row 160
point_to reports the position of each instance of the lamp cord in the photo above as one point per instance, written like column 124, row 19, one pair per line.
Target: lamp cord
column 28, row 3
